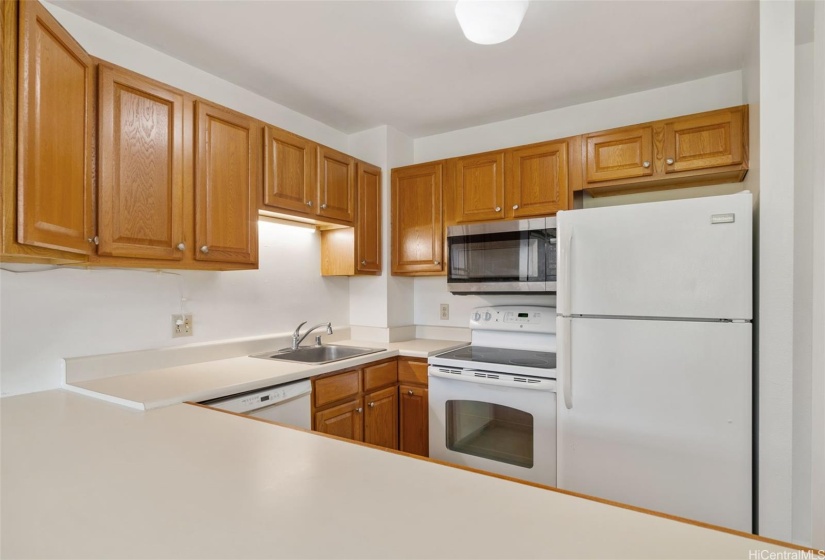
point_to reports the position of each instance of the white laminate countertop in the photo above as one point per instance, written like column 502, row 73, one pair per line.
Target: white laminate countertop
column 83, row 478
column 206, row 380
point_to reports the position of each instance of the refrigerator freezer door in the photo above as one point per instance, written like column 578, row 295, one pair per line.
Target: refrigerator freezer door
column 684, row 258
column 659, row 417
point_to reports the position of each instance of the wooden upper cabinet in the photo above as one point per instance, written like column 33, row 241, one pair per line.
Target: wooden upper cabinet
column 55, row 121
column 140, row 163
column 368, row 221
column 417, row 222
column 226, row 181
column 478, row 190
column 537, row 180
column 336, row 185
column 706, row 140
column 289, row 172
column 619, row 155
column 381, row 417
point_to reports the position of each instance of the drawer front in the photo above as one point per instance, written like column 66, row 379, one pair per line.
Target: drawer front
column 412, row 372
column 336, row 387
column 380, row 375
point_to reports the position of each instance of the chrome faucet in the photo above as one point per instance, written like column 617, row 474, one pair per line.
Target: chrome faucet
column 298, row 338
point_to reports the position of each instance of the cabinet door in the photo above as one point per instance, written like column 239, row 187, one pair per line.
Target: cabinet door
column 381, row 417
column 417, row 223
column 55, row 120
column 336, row 185
column 620, row 155
column 140, row 163
column 368, row 221
column 345, row 420
column 414, row 415
column 289, row 171
column 479, row 187
column 537, row 180
column 704, row 141
column 226, row 178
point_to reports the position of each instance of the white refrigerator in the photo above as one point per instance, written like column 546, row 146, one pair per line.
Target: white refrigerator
column 654, row 358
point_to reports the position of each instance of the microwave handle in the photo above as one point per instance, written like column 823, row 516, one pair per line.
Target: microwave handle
column 565, row 261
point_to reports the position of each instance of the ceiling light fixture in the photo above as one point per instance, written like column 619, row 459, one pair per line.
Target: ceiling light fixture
column 488, row 22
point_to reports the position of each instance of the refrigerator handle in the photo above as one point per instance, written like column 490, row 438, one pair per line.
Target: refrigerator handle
column 564, row 369
column 565, row 259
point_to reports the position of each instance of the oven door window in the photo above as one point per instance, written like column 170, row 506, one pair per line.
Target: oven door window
column 516, row 256
column 491, row 431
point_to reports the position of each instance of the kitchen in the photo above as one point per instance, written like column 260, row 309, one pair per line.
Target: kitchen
column 63, row 313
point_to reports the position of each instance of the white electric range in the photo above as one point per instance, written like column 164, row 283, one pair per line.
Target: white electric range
column 493, row 403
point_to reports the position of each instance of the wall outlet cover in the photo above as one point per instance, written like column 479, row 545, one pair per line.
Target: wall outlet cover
column 181, row 326
column 444, row 311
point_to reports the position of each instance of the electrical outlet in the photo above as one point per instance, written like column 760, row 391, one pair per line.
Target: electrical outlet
column 444, row 311
column 181, row 327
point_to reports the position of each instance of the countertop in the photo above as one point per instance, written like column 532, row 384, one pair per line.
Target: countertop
column 206, row 380
column 83, row 478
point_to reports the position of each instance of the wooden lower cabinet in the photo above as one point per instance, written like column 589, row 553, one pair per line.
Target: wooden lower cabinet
column 381, row 418
column 344, row 420
column 414, row 420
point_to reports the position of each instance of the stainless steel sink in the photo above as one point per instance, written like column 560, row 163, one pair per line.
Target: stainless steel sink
column 318, row 354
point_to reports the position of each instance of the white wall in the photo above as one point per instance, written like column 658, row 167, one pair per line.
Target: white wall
column 715, row 92
column 52, row 314
column 775, row 269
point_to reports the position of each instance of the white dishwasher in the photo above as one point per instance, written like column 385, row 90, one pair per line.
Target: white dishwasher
column 287, row 404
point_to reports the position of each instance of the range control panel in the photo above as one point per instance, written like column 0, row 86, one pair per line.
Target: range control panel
column 527, row 318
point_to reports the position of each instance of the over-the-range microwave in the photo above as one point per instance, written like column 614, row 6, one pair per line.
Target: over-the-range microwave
column 513, row 256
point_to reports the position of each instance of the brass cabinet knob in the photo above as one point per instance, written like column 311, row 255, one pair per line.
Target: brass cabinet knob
column 309, row 203
column 436, row 262
column 181, row 246
column 669, row 161
column 359, row 410
column 323, row 207
column 498, row 208
column 515, row 206
column 646, row 164
column 410, row 392
column 372, row 405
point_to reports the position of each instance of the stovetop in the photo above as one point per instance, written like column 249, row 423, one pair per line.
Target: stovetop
column 482, row 355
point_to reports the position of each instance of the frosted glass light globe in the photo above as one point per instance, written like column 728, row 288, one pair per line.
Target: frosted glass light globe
column 488, row 22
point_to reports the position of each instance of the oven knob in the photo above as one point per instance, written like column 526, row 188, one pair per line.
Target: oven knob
column 488, row 316
column 476, row 316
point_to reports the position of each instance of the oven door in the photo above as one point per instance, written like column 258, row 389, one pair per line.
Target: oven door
column 513, row 256
column 505, row 424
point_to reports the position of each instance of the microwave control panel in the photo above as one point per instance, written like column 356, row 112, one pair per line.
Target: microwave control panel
column 527, row 318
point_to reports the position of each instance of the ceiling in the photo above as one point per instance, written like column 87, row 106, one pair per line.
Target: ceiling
column 358, row 64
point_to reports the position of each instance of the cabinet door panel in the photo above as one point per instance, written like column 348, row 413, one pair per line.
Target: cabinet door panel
column 381, row 418
column 710, row 140
column 55, row 120
column 479, row 187
column 417, row 222
column 226, row 177
column 289, row 176
column 368, row 221
column 620, row 155
column 345, row 420
column 141, row 167
column 537, row 180
column 336, row 185
column 414, row 415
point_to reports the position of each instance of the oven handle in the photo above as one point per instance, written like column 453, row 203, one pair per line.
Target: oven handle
column 564, row 368
column 504, row 382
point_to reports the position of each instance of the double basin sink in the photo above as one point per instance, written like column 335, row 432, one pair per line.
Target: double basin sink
column 317, row 354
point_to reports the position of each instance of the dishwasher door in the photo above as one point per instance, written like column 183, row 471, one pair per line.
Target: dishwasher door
column 287, row 404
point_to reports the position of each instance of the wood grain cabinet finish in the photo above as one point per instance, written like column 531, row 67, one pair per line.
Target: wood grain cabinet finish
column 704, row 141
column 344, row 420
column 414, row 420
column 417, row 222
column 619, row 155
column 55, row 138
column 368, row 222
column 289, row 172
column 537, row 180
column 381, row 417
column 226, row 180
column 478, row 190
column 336, row 185
column 333, row 388
column 140, row 163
